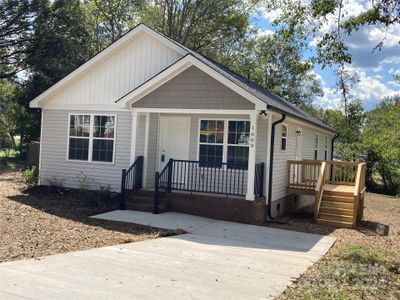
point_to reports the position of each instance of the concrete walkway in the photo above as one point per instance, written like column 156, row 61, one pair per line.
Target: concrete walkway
column 216, row 260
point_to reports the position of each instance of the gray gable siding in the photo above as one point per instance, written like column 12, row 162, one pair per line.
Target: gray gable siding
column 194, row 89
column 54, row 143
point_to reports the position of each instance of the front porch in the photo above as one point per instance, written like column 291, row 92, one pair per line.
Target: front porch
column 206, row 156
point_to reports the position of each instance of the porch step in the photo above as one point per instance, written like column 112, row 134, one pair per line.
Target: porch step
column 341, row 224
column 337, row 198
column 142, row 207
column 336, row 211
column 335, row 217
column 335, row 204
column 338, row 194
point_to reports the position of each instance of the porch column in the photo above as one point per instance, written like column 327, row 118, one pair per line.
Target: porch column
column 252, row 156
column 135, row 118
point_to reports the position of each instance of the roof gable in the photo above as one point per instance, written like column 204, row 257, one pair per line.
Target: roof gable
column 166, row 56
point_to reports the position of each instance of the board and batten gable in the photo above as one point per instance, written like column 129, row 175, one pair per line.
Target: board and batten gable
column 194, row 89
column 55, row 167
column 117, row 74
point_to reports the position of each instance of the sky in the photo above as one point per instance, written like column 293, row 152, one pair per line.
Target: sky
column 375, row 69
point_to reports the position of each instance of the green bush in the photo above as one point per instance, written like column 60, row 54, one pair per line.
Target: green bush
column 31, row 176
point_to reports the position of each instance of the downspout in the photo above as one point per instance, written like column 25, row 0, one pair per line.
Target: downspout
column 271, row 164
column 333, row 144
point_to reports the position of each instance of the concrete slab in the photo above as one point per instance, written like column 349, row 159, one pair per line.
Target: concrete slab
column 218, row 260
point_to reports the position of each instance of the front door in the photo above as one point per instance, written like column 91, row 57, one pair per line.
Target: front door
column 299, row 142
column 174, row 139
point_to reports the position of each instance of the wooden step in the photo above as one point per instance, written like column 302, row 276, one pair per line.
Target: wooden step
column 337, row 198
column 336, row 211
column 338, row 193
column 334, row 204
column 335, row 217
column 339, row 224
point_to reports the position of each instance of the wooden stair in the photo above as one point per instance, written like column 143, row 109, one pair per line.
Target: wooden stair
column 337, row 208
column 142, row 200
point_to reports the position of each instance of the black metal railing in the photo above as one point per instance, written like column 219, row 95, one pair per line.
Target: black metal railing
column 259, row 180
column 131, row 179
column 162, row 184
column 192, row 176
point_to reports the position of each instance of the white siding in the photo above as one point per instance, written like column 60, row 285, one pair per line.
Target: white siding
column 281, row 157
column 54, row 143
column 194, row 89
column 117, row 75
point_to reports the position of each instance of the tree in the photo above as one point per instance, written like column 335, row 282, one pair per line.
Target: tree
column 307, row 19
column 15, row 32
column 277, row 64
column 208, row 26
column 381, row 143
column 61, row 42
column 110, row 19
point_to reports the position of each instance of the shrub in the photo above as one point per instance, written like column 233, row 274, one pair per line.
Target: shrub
column 56, row 184
column 31, row 176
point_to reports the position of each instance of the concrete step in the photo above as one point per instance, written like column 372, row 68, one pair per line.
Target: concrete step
column 334, row 204
column 335, row 217
column 337, row 198
column 339, row 224
column 336, row 211
column 142, row 207
column 140, row 199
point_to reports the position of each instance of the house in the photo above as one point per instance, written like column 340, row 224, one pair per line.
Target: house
column 148, row 116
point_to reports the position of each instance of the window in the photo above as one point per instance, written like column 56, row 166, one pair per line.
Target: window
column 316, row 145
column 223, row 140
column 284, row 137
column 326, row 148
column 238, row 144
column 211, row 143
column 91, row 138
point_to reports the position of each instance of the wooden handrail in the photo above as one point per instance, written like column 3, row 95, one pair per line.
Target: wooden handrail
column 319, row 189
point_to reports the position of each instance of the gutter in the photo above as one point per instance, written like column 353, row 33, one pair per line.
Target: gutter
column 271, row 164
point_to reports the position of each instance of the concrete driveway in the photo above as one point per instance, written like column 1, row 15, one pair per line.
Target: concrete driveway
column 216, row 260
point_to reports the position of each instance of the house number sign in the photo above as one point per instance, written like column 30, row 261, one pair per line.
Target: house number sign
column 252, row 137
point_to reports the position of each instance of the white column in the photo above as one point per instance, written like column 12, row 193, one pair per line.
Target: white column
column 135, row 119
column 146, row 149
column 252, row 156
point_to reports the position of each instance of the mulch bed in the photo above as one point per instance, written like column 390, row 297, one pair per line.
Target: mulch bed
column 38, row 222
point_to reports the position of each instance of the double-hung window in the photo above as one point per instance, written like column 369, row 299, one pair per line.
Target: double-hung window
column 316, row 146
column 284, row 137
column 224, row 141
column 326, row 148
column 91, row 138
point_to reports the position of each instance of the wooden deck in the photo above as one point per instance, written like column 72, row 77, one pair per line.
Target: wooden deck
column 338, row 188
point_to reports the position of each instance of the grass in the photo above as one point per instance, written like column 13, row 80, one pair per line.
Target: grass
column 352, row 271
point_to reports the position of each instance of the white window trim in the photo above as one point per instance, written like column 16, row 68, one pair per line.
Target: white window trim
column 91, row 138
column 225, row 140
column 286, row 137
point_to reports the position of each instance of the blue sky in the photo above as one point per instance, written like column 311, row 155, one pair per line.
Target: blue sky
column 375, row 69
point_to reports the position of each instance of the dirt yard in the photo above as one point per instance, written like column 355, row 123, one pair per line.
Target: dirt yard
column 363, row 263
column 43, row 223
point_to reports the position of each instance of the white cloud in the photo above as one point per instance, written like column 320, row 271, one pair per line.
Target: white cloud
column 369, row 90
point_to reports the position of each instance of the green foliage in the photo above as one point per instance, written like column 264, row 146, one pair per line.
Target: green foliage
column 276, row 64
column 381, row 143
column 31, row 176
column 208, row 26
